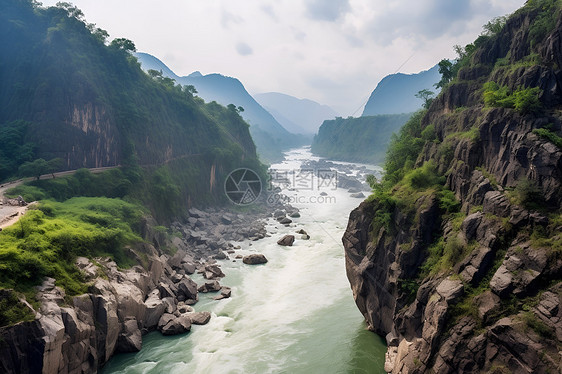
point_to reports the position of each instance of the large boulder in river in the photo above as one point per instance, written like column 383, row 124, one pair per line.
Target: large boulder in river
column 254, row 259
column 287, row 240
column 199, row 318
column 213, row 271
column 172, row 325
column 285, row 221
column 187, row 289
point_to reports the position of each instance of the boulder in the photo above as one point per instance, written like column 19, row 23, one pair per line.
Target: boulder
column 287, row 240
column 198, row 318
column 187, row 290
column 130, row 338
column 358, row 195
column 172, row 325
column 285, row 221
column 189, row 267
column 213, row 271
column 278, row 214
column 154, row 310
column 184, row 308
column 254, row 259
column 225, row 293
column 487, row 303
column 450, row 289
column 212, row 286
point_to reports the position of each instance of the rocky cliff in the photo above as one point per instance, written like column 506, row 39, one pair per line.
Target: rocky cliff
column 476, row 289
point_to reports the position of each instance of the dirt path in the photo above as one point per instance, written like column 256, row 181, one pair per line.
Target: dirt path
column 10, row 214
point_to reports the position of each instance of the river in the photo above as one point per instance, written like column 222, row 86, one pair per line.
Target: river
column 295, row 314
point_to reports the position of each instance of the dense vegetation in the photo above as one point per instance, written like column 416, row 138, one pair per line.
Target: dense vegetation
column 46, row 241
column 61, row 76
column 69, row 99
column 410, row 182
column 362, row 139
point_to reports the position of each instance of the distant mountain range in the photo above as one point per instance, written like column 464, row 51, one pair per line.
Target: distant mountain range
column 270, row 136
column 299, row 116
column 395, row 93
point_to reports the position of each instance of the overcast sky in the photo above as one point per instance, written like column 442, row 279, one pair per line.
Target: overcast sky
column 331, row 51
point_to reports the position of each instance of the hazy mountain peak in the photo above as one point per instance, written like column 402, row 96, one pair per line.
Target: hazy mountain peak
column 395, row 93
column 269, row 135
column 297, row 115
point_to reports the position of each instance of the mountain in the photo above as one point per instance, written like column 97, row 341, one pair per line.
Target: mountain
column 362, row 139
column 66, row 94
column 270, row 136
column 395, row 93
column 456, row 257
column 300, row 116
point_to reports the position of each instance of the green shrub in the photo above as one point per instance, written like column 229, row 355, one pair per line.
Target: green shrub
column 550, row 136
column 424, row 177
column 448, row 201
column 403, row 150
column 545, row 21
column 537, row 325
column 523, row 100
column 528, row 194
column 428, row 134
column 12, row 310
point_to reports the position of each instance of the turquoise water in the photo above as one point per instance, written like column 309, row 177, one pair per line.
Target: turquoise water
column 294, row 314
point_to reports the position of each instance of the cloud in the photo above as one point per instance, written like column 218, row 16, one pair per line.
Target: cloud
column 268, row 9
column 330, row 10
column 244, row 49
column 228, row 18
column 426, row 19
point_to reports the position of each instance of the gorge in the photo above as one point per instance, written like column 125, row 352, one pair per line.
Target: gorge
column 158, row 239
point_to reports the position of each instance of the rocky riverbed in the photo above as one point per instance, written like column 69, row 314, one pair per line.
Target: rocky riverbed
column 79, row 334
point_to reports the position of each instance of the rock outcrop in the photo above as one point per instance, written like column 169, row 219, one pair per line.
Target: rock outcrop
column 79, row 334
column 495, row 307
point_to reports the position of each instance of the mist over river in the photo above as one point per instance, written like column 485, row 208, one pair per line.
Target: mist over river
column 294, row 314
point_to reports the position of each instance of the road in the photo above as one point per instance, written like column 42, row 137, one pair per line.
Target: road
column 10, row 214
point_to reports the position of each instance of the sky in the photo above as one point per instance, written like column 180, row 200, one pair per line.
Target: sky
column 330, row 51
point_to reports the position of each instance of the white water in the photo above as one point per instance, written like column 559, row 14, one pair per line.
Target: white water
column 294, row 314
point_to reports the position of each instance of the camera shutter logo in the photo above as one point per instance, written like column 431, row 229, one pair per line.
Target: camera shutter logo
column 242, row 186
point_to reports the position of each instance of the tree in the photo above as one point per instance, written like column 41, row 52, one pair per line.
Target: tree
column 72, row 10
column 35, row 168
column 427, row 97
column 124, row 44
column 54, row 165
column 155, row 74
column 234, row 108
column 189, row 88
column 494, row 26
column 446, row 71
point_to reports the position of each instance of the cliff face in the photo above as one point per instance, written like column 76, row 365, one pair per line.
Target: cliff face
column 496, row 307
column 91, row 105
